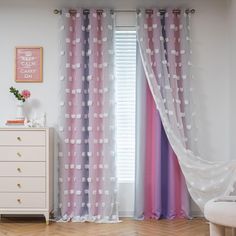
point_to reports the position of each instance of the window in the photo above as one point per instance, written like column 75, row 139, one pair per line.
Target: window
column 125, row 70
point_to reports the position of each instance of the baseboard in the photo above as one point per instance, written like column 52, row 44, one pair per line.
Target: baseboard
column 128, row 214
column 197, row 214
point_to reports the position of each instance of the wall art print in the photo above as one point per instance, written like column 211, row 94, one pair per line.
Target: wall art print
column 29, row 64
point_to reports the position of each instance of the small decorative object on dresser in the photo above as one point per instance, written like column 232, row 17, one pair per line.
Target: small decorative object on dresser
column 21, row 98
column 16, row 122
column 26, row 171
column 36, row 121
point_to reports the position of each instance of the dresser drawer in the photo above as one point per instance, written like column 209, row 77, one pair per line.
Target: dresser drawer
column 21, row 153
column 22, row 169
column 22, row 138
column 23, row 184
column 22, row 200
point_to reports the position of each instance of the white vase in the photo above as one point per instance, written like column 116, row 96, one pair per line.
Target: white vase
column 20, row 110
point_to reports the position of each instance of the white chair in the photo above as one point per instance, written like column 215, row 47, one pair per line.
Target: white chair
column 221, row 213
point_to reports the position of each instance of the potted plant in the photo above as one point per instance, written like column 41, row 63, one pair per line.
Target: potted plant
column 21, row 98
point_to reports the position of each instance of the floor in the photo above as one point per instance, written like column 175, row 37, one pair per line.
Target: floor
column 128, row 227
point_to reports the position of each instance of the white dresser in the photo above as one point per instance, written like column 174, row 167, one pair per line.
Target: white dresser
column 26, row 171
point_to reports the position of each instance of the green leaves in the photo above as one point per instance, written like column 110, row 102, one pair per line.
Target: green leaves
column 17, row 94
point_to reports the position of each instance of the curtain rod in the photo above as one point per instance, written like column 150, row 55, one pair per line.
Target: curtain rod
column 73, row 11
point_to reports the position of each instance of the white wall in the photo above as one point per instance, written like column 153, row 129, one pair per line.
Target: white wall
column 211, row 60
column 29, row 26
column 31, row 22
column 232, row 33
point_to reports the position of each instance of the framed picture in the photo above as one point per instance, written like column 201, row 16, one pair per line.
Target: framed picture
column 29, row 64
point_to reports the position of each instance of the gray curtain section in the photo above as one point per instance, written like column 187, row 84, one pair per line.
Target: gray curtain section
column 140, row 138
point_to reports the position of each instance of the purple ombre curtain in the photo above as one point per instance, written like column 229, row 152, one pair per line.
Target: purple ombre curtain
column 87, row 175
column 160, row 189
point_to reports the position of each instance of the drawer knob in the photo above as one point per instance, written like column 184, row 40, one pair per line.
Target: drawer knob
column 19, row 200
column 19, row 185
column 18, row 154
column 19, row 138
column 19, row 169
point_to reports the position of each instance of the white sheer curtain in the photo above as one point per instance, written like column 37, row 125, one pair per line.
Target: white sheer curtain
column 87, row 152
column 165, row 53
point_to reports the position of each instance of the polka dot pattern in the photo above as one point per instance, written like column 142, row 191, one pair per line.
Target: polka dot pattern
column 164, row 44
column 87, row 176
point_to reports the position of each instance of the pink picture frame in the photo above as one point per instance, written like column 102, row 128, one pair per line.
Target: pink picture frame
column 29, row 64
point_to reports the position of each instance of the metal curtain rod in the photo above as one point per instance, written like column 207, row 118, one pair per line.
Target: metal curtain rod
column 73, row 11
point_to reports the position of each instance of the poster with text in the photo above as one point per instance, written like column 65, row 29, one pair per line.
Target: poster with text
column 29, row 66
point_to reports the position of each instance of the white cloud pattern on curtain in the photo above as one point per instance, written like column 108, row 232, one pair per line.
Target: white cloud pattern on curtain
column 165, row 53
column 87, row 175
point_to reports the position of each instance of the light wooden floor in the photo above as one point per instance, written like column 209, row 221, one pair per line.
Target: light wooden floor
column 37, row 227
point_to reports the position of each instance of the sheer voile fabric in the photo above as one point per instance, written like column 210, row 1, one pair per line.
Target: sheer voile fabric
column 160, row 188
column 164, row 45
column 87, row 174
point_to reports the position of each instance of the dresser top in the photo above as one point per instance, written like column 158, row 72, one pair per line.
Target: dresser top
column 23, row 129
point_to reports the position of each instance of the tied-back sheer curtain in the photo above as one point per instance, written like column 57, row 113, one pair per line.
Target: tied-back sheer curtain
column 87, row 173
column 164, row 45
